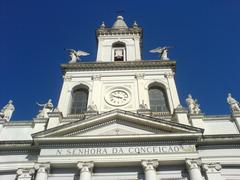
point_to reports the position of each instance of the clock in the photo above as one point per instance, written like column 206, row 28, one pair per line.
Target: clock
column 117, row 97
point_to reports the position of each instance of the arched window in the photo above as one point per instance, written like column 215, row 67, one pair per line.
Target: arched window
column 158, row 99
column 119, row 51
column 79, row 100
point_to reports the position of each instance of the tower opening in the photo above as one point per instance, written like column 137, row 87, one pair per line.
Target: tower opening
column 119, row 51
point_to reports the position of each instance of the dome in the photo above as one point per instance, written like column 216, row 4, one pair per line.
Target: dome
column 120, row 23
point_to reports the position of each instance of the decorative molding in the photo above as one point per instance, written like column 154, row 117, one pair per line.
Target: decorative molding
column 112, row 31
column 25, row 173
column 93, row 66
column 212, row 167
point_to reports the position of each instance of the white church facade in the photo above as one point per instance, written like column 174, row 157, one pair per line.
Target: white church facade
column 120, row 118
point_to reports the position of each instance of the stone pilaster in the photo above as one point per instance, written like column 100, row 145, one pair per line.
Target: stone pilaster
column 193, row 167
column 55, row 118
column 180, row 115
column 140, row 87
column 42, row 171
column 149, row 167
column 236, row 118
column 25, row 174
column 213, row 171
column 197, row 120
column 85, row 170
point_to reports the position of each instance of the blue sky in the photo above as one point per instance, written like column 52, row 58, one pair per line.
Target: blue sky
column 33, row 35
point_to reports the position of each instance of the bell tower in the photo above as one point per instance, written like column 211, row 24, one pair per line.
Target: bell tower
column 119, row 79
column 120, row 42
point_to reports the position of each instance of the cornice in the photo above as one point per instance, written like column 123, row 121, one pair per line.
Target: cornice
column 19, row 123
column 125, row 65
column 219, row 139
column 119, row 143
column 126, row 138
column 18, row 146
column 113, row 31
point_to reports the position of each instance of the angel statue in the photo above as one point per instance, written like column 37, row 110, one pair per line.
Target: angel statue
column 47, row 107
column 163, row 51
column 75, row 55
column 233, row 103
column 7, row 111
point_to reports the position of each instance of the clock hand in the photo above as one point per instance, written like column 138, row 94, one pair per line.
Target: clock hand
column 119, row 97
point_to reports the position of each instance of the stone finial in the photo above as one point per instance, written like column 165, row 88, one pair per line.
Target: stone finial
column 7, row 111
column 135, row 25
column 92, row 107
column 143, row 105
column 233, row 103
column 103, row 25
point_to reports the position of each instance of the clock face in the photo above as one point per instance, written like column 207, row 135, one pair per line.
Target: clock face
column 117, row 97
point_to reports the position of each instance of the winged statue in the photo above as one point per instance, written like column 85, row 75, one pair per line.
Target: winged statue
column 75, row 55
column 163, row 51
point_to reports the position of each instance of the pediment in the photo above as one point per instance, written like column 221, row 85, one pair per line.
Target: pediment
column 118, row 127
column 117, row 123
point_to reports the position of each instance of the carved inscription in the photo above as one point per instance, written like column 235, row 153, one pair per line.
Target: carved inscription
column 125, row 150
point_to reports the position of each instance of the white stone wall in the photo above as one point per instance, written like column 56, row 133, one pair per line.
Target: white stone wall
column 136, row 82
column 220, row 126
column 132, row 41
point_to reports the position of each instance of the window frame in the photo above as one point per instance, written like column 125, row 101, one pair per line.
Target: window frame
column 163, row 102
column 74, row 108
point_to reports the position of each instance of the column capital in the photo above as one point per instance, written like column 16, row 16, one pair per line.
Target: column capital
column 139, row 75
column 85, row 166
column 25, row 172
column 169, row 75
column 193, row 163
column 42, row 167
column 67, row 78
column 212, row 167
column 96, row 77
column 150, row 164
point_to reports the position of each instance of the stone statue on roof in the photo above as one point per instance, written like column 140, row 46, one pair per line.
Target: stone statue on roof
column 7, row 111
column 47, row 107
column 163, row 51
column 233, row 103
column 193, row 106
column 75, row 55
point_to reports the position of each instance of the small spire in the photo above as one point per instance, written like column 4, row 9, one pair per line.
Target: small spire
column 135, row 25
column 103, row 25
